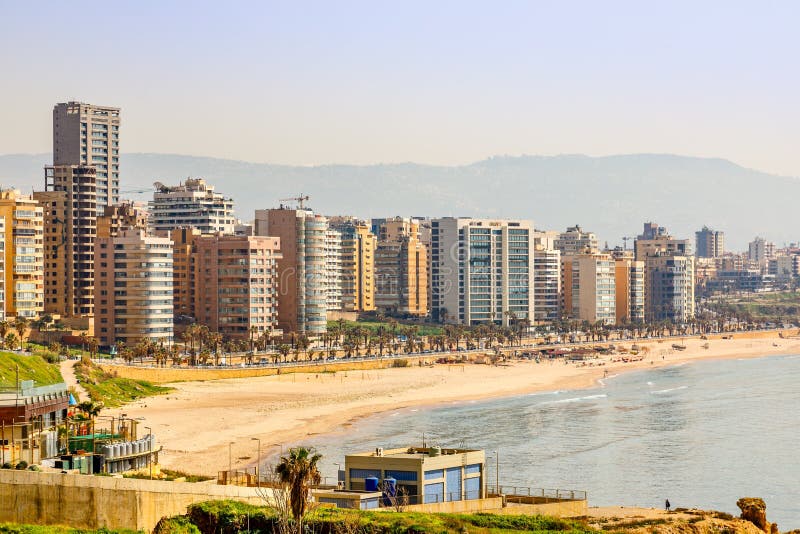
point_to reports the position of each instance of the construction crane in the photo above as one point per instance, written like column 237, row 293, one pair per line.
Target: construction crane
column 299, row 199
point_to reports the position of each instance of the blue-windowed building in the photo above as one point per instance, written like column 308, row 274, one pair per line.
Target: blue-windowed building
column 422, row 475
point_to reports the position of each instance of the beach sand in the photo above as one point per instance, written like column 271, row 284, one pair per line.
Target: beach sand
column 198, row 420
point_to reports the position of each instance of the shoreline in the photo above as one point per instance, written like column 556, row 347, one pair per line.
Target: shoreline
column 198, row 421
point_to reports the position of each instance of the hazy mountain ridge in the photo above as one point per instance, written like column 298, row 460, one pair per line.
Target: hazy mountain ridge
column 610, row 195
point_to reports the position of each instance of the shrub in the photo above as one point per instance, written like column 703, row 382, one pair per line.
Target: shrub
column 6, row 465
column 402, row 362
column 21, row 465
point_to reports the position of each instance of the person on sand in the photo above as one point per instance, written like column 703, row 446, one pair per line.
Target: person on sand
column 667, row 505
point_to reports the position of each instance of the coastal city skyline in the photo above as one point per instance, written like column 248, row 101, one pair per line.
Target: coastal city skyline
column 388, row 323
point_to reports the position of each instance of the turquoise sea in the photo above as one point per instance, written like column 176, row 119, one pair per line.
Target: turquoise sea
column 701, row 434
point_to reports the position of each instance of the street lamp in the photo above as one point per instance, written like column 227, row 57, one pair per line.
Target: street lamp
column 150, row 447
column 258, row 462
column 338, row 468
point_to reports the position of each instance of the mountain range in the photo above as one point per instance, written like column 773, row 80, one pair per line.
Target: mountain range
column 611, row 196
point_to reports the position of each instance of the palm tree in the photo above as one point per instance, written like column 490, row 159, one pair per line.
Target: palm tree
column 5, row 326
column 21, row 326
column 298, row 472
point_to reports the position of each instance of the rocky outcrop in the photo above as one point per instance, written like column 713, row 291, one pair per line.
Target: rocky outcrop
column 755, row 510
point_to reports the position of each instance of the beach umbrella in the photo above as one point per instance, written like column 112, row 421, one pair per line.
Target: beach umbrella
column 72, row 401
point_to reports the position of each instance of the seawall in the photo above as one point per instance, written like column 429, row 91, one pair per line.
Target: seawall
column 93, row 502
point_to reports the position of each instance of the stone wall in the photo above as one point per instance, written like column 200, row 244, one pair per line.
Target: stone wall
column 92, row 502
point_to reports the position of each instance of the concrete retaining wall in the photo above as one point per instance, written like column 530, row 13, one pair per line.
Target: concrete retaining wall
column 93, row 502
column 494, row 505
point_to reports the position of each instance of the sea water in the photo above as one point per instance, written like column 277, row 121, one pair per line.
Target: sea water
column 701, row 434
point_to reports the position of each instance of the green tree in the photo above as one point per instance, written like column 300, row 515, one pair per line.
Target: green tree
column 298, row 472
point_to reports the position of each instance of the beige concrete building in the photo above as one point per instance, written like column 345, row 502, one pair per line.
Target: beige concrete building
column 358, row 246
column 120, row 216
column 576, row 241
column 302, row 277
column 88, row 135
column 194, row 204
column 133, row 280
column 23, row 241
column 236, row 279
column 629, row 279
column 69, row 205
column 589, row 282
column 183, row 273
column 423, row 475
column 655, row 240
column 401, row 273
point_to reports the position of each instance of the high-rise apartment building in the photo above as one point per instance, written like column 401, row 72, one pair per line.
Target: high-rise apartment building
column 483, row 270
column 546, row 283
column 69, row 205
column 358, row 245
column 133, row 281
column 2, row 269
column 88, row 135
column 23, row 254
column 709, row 243
column 183, row 273
column 302, row 277
column 589, row 287
column 194, row 204
column 669, row 287
column 333, row 269
column 236, row 279
column 655, row 240
column 576, row 241
column 401, row 268
column 630, row 276
column 761, row 251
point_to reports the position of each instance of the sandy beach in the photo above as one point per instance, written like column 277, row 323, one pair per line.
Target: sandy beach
column 197, row 421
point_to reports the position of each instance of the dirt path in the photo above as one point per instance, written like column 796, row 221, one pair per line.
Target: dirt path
column 68, row 374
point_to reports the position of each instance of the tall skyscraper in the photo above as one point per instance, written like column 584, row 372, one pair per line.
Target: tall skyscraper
column 709, row 243
column 483, row 270
column 302, row 276
column 69, row 205
column 85, row 134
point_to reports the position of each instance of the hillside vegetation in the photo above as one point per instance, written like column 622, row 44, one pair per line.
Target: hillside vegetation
column 111, row 390
column 31, row 367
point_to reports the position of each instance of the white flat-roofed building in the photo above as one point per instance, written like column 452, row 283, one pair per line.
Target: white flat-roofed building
column 192, row 204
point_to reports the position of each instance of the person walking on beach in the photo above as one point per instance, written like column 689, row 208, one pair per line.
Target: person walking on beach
column 667, row 505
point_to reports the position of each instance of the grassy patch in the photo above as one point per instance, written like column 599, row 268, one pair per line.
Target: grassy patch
column 227, row 516
column 111, row 390
column 11, row 528
column 31, row 367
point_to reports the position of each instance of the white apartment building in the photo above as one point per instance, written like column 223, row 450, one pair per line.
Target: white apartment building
column 85, row 134
column 482, row 269
column 333, row 269
column 192, row 203
column 547, row 283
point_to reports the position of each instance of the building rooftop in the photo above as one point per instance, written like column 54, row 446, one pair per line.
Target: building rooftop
column 412, row 452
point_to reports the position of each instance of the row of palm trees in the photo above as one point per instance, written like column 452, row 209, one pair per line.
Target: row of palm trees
column 12, row 340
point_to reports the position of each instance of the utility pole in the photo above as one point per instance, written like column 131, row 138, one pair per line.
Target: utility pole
column 150, row 447
column 258, row 463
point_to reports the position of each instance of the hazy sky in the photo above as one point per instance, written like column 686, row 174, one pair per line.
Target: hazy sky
column 436, row 82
